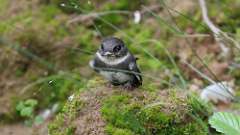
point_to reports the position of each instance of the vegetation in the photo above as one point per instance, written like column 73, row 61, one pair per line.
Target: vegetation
column 226, row 123
column 141, row 112
column 121, row 113
column 46, row 45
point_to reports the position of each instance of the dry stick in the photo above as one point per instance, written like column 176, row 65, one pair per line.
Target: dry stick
column 221, row 37
column 212, row 27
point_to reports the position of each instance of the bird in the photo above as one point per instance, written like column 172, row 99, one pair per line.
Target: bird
column 117, row 64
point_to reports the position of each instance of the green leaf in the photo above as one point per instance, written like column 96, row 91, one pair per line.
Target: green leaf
column 38, row 120
column 31, row 102
column 226, row 123
column 28, row 123
column 20, row 106
column 27, row 111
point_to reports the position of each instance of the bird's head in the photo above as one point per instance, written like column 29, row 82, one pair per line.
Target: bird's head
column 113, row 47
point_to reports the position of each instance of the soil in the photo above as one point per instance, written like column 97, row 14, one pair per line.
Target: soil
column 15, row 129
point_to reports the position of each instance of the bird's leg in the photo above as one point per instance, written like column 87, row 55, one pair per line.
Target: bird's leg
column 128, row 86
column 109, row 85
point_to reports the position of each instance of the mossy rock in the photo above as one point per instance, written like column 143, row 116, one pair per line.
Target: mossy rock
column 115, row 111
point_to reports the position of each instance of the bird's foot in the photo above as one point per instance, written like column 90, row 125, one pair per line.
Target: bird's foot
column 109, row 85
column 128, row 86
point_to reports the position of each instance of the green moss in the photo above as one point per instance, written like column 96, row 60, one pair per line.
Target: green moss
column 125, row 119
column 117, row 131
column 59, row 127
column 199, row 107
column 144, row 112
column 122, row 112
column 149, row 86
column 63, row 123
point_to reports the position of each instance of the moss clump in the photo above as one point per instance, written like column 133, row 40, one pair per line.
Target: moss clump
column 62, row 125
column 139, row 112
column 126, row 112
column 117, row 131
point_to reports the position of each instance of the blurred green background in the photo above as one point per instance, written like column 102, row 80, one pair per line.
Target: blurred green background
column 45, row 47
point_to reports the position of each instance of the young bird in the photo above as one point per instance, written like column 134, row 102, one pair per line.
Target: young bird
column 115, row 63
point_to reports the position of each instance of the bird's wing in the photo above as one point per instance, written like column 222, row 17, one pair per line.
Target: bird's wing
column 93, row 64
column 135, row 70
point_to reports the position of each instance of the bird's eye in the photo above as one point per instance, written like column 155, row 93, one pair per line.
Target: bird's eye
column 117, row 48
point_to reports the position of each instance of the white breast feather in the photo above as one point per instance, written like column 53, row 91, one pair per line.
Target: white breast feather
column 112, row 61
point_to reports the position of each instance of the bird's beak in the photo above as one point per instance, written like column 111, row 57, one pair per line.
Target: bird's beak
column 107, row 54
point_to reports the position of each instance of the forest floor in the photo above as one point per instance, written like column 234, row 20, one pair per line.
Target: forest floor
column 45, row 49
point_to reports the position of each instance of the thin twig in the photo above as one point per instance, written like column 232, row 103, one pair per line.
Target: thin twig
column 93, row 15
column 199, row 72
column 194, row 35
column 220, row 84
column 199, row 58
column 212, row 27
column 221, row 37
column 83, row 17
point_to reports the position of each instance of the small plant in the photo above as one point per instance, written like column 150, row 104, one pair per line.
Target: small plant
column 226, row 123
column 26, row 110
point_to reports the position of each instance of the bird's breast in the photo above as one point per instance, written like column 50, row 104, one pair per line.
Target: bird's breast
column 117, row 77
